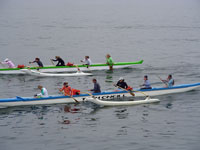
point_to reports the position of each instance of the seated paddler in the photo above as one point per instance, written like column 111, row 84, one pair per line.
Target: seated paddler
column 43, row 93
column 146, row 84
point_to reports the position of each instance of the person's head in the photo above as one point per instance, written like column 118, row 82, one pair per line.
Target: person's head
column 169, row 76
column 65, row 84
column 108, row 55
column 87, row 57
column 121, row 79
column 94, row 80
column 37, row 59
column 57, row 57
column 145, row 77
column 6, row 60
column 40, row 87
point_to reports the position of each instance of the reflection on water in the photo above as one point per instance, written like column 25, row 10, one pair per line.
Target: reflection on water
column 121, row 113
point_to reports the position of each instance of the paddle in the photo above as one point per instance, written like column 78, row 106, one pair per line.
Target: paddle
column 18, row 97
column 2, row 65
column 70, row 97
column 124, row 89
column 52, row 62
column 74, row 99
column 130, row 91
column 89, row 94
column 78, row 68
column 162, row 80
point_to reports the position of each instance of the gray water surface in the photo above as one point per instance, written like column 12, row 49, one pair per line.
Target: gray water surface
column 165, row 34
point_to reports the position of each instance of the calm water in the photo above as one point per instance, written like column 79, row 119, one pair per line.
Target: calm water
column 166, row 34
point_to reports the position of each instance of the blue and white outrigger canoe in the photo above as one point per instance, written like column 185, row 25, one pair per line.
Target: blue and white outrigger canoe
column 22, row 101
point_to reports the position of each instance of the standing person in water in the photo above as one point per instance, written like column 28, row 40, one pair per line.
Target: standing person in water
column 109, row 61
column 86, row 61
column 38, row 61
column 8, row 62
column 59, row 60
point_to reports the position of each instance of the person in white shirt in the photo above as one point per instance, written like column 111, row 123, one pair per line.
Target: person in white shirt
column 9, row 63
column 44, row 92
column 86, row 61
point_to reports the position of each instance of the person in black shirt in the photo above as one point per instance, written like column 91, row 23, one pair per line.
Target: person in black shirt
column 37, row 60
column 121, row 83
column 59, row 60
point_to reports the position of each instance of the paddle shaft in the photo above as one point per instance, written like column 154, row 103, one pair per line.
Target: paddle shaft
column 133, row 91
column 162, row 80
column 77, row 68
column 125, row 90
column 52, row 62
column 2, row 65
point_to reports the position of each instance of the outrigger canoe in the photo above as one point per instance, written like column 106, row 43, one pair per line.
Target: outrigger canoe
column 42, row 74
column 111, row 95
column 54, row 69
column 97, row 101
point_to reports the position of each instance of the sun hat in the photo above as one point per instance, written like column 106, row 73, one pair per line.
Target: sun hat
column 6, row 59
column 121, row 78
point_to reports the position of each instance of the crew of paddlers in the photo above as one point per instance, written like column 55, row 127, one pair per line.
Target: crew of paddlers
column 61, row 62
column 68, row 91
column 121, row 84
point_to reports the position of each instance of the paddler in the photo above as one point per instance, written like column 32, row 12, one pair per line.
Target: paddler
column 44, row 92
column 59, row 60
column 97, row 88
column 86, row 61
column 66, row 89
column 38, row 61
column 169, row 81
column 9, row 63
column 146, row 84
column 121, row 83
column 109, row 61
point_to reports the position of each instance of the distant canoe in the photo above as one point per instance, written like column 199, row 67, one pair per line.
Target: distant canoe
column 54, row 69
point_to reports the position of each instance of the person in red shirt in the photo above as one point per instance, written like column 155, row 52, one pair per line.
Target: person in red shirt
column 66, row 89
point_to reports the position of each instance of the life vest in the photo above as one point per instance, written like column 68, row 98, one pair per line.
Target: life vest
column 75, row 92
column 69, row 64
column 20, row 66
column 129, row 88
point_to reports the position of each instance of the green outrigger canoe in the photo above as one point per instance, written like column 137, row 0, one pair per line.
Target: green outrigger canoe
column 98, row 66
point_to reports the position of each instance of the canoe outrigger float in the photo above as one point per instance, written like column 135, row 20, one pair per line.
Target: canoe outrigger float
column 42, row 74
column 117, row 65
column 97, row 101
column 109, row 95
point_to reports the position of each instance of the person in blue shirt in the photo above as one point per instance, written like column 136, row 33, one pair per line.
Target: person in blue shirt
column 146, row 84
column 38, row 61
column 97, row 88
column 169, row 81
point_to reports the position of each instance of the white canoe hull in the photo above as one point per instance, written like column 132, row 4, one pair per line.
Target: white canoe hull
column 122, row 103
column 57, row 70
column 41, row 74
